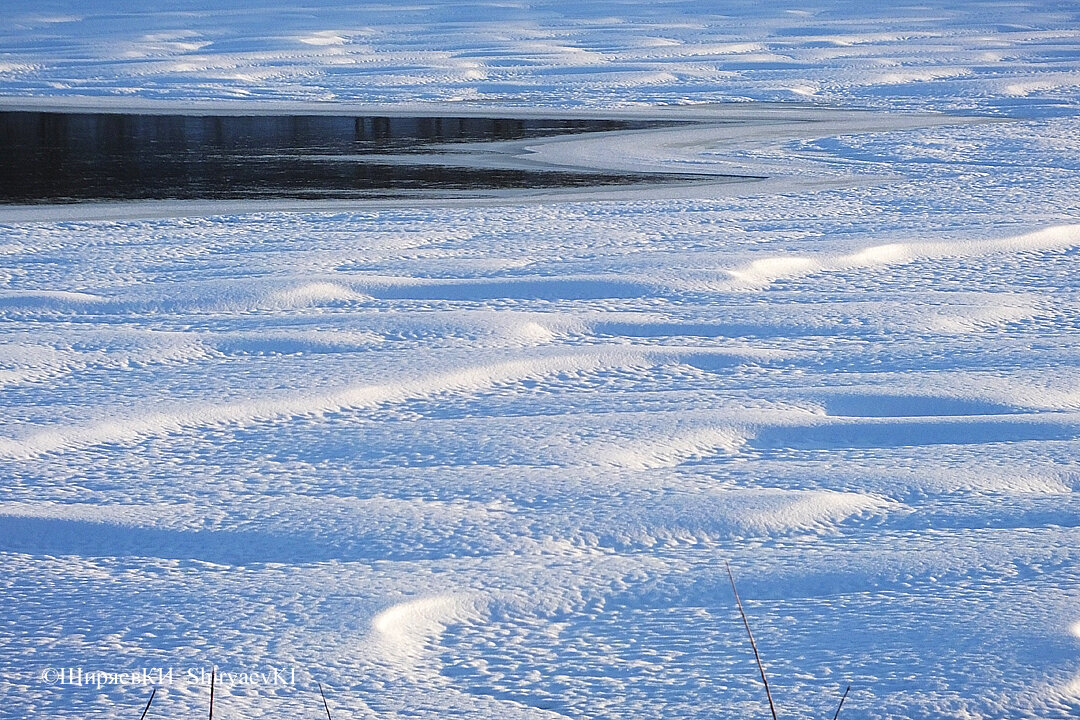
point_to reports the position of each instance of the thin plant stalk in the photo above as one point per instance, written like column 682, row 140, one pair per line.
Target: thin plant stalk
column 841, row 703
column 327, row 707
column 147, row 708
column 757, row 657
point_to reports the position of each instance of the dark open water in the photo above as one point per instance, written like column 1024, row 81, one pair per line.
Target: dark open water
column 73, row 157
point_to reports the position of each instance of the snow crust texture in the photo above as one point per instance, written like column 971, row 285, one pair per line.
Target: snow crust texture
column 966, row 54
column 488, row 460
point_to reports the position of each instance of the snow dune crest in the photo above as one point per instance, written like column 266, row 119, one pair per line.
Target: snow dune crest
column 316, row 293
column 774, row 511
column 47, row 299
column 760, row 274
column 656, row 452
column 403, row 635
column 467, row 379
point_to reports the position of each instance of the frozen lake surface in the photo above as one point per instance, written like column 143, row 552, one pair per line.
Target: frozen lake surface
column 69, row 157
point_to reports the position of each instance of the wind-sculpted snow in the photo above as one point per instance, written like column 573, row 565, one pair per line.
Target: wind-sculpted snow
column 467, row 379
column 488, row 458
column 955, row 55
column 405, row 631
column 765, row 272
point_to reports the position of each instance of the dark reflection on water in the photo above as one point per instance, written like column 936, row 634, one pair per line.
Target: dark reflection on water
column 69, row 157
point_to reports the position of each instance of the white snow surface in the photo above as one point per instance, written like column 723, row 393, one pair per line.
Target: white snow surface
column 962, row 54
column 488, row 459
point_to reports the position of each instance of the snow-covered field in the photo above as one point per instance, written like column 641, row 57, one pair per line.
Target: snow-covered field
column 488, row 459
